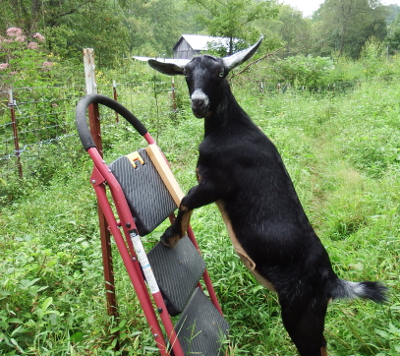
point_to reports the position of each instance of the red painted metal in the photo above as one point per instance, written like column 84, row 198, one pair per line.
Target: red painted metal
column 148, row 138
column 112, row 307
column 206, row 276
column 98, row 183
column 129, row 257
column 101, row 175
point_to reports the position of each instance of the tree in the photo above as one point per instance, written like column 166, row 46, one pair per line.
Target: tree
column 115, row 28
column 345, row 25
column 233, row 19
column 31, row 15
column 70, row 25
column 393, row 37
column 154, row 25
column 292, row 29
column 393, row 11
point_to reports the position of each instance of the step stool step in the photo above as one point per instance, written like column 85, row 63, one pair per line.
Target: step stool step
column 177, row 271
column 148, row 198
column 201, row 328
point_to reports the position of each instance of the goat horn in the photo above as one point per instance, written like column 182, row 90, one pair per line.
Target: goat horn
column 238, row 58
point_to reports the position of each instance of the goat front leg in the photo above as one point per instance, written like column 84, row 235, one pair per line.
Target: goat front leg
column 200, row 195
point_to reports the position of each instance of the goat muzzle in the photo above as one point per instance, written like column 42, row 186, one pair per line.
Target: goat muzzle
column 200, row 103
column 199, row 108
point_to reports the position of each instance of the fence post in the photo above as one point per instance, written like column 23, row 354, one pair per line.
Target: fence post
column 11, row 105
column 94, row 120
column 115, row 98
column 173, row 95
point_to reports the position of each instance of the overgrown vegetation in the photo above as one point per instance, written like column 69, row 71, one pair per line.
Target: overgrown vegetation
column 340, row 147
column 120, row 28
column 333, row 119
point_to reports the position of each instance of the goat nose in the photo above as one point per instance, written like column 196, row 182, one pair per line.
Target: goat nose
column 197, row 103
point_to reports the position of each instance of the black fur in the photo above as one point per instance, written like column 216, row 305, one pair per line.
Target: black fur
column 240, row 168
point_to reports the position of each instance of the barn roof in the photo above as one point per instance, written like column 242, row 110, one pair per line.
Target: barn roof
column 201, row 42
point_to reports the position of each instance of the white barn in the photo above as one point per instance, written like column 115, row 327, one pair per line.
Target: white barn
column 191, row 45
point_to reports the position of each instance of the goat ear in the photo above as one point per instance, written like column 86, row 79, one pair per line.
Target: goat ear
column 240, row 57
column 167, row 68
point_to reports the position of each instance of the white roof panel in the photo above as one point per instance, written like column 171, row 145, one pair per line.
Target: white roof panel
column 201, row 42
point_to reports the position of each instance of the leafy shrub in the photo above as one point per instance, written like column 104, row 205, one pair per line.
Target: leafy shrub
column 23, row 58
column 373, row 57
column 306, row 71
column 374, row 153
column 30, row 318
column 346, row 73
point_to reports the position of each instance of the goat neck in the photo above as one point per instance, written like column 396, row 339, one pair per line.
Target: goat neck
column 227, row 113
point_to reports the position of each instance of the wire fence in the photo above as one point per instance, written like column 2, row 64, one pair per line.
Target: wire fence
column 31, row 118
column 37, row 125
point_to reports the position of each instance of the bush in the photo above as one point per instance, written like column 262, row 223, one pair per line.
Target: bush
column 299, row 71
column 23, row 58
column 373, row 57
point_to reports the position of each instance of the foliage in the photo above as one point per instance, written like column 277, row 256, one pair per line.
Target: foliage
column 71, row 25
column 118, row 28
column 95, row 24
column 373, row 56
column 393, row 41
column 30, row 14
column 301, row 71
column 234, row 18
column 154, row 26
column 24, row 60
column 293, row 31
column 44, row 306
column 345, row 25
column 393, row 38
column 342, row 152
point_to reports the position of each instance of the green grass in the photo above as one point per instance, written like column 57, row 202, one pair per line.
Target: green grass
column 343, row 154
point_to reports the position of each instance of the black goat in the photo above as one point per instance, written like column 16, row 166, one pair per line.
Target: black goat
column 240, row 169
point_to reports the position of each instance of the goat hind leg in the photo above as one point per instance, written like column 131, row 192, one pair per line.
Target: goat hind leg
column 305, row 325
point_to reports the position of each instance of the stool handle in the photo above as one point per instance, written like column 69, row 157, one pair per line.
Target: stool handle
column 80, row 113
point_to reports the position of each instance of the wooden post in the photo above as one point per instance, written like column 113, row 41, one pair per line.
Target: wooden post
column 115, row 98
column 11, row 105
column 94, row 121
column 173, row 96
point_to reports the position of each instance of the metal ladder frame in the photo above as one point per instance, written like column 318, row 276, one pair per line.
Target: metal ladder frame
column 128, row 240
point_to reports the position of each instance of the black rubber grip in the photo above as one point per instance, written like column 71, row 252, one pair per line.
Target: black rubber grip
column 81, row 125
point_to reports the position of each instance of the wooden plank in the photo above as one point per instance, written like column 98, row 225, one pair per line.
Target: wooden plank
column 165, row 173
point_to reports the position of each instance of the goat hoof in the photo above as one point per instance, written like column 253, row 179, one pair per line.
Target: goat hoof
column 169, row 239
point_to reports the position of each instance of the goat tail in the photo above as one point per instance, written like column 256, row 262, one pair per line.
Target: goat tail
column 374, row 291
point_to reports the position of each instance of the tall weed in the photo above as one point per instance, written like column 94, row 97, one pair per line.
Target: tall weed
column 341, row 151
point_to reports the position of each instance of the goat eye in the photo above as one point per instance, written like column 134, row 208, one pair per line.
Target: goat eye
column 221, row 74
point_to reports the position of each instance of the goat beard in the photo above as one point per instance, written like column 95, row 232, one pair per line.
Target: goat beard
column 200, row 114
